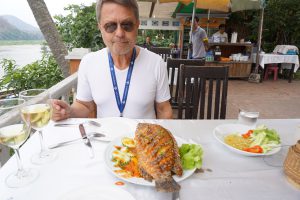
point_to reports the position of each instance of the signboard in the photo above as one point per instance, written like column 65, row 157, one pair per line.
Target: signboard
column 159, row 24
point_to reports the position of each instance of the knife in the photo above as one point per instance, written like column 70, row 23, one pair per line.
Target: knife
column 175, row 195
column 86, row 140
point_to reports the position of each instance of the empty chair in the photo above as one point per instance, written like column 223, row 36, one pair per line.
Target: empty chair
column 173, row 73
column 202, row 92
column 272, row 68
column 165, row 52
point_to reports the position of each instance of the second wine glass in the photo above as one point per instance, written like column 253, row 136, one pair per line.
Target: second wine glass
column 38, row 110
column 14, row 136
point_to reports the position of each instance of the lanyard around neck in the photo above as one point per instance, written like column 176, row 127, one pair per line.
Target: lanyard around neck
column 121, row 105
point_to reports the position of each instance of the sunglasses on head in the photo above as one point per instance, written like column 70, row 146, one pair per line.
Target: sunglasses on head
column 111, row 27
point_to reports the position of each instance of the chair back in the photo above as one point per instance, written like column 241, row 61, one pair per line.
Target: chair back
column 164, row 52
column 173, row 65
column 202, row 92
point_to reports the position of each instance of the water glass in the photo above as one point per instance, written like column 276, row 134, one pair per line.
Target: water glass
column 248, row 118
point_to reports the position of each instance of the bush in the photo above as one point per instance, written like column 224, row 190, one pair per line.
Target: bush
column 43, row 73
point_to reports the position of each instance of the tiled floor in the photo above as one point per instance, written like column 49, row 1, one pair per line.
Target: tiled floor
column 273, row 99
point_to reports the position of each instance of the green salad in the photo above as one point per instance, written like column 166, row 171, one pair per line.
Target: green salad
column 191, row 156
column 266, row 138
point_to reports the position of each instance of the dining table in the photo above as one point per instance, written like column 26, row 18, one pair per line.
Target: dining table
column 224, row 175
column 290, row 62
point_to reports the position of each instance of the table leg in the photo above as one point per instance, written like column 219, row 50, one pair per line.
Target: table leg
column 262, row 74
column 291, row 73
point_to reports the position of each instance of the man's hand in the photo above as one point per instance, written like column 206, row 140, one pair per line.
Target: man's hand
column 190, row 46
column 60, row 110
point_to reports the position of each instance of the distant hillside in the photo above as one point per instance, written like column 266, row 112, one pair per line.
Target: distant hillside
column 13, row 28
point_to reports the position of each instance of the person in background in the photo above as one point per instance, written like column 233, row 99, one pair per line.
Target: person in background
column 121, row 80
column 199, row 40
column 221, row 35
column 148, row 44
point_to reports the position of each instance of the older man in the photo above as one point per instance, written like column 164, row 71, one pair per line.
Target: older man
column 121, row 79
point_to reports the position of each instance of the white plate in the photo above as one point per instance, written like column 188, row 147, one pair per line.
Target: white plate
column 114, row 127
column 221, row 131
column 140, row 181
column 97, row 192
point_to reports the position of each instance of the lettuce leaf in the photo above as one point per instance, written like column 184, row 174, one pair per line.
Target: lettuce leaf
column 191, row 156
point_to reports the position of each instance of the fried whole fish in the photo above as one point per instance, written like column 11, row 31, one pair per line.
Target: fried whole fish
column 158, row 156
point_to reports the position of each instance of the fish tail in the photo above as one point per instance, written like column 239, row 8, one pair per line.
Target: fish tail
column 167, row 185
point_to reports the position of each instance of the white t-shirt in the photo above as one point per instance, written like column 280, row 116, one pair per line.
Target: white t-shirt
column 220, row 37
column 149, row 84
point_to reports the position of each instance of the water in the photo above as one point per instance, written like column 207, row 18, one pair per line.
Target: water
column 248, row 118
column 22, row 54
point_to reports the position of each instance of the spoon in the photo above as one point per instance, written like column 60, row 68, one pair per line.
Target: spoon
column 90, row 122
column 91, row 135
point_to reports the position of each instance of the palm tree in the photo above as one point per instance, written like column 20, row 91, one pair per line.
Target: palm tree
column 51, row 35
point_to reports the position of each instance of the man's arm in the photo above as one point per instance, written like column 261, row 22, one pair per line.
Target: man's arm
column 164, row 110
column 82, row 109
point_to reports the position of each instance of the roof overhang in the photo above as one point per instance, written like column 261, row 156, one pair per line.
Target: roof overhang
column 154, row 9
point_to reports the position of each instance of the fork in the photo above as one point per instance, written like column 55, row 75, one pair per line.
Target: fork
column 75, row 140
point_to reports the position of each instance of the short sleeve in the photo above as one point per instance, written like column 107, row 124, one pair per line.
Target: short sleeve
column 83, row 85
column 163, row 90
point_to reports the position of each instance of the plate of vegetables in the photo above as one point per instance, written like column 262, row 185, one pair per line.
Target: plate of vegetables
column 121, row 160
column 238, row 138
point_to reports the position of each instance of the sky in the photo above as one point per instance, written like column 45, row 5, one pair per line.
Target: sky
column 21, row 9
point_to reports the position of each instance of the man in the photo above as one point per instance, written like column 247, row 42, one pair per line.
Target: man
column 220, row 36
column 148, row 44
column 199, row 40
column 122, row 79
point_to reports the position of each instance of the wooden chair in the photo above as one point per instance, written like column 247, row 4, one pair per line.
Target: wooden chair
column 173, row 68
column 202, row 92
column 165, row 52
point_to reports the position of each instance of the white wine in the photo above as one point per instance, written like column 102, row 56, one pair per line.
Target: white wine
column 14, row 135
column 39, row 115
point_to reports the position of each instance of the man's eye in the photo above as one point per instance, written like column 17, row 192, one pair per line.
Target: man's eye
column 110, row 27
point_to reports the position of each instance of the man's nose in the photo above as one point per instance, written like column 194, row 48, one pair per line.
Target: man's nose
column 120, row 31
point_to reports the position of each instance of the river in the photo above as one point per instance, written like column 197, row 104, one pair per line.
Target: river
column 22, row 54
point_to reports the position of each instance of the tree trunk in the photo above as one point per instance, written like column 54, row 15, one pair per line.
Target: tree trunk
column 51, row 35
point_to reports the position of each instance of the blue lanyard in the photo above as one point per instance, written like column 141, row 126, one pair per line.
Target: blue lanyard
column 121, row 105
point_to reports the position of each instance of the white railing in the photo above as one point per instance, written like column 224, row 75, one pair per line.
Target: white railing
column 62, row 90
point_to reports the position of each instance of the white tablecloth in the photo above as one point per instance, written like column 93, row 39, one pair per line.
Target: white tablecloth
column 286, row 60
column 226, row 175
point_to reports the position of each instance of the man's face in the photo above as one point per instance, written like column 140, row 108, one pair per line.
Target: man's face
column 148, row 40
column 222, row 30
column 118, row 27
column 195, row 25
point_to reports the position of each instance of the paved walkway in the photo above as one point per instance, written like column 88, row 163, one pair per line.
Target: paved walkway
column 273, row 99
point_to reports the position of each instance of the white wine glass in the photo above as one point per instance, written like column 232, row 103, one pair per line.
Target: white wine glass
column 38, row 110
column 14, row 136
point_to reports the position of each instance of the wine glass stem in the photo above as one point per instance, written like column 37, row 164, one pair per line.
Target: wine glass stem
column 43, row 147
column 19, row 162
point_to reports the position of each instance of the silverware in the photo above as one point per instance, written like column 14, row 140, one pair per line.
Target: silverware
column 86, row 140
column 61, row 144
column 90, row 122
column 175, row 195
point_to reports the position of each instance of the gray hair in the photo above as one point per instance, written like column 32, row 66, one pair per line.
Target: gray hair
column 131, row 4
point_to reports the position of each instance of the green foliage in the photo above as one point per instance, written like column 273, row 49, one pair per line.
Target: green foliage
column 79, row 27
column 281, row 24
column 43, row 73
column 160, row 38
